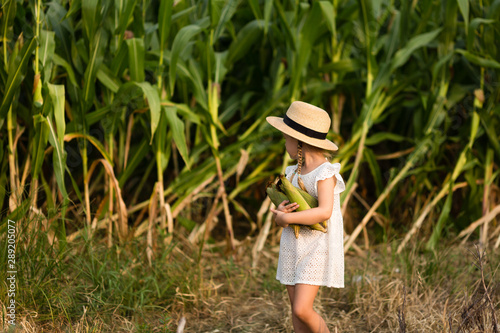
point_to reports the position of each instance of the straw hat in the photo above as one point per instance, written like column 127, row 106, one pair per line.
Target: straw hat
column 306, row 123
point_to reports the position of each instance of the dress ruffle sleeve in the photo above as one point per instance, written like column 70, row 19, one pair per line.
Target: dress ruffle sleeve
column 328, row 170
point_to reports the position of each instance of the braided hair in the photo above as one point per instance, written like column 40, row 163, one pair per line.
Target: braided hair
column 299, row 168
column 300, row 158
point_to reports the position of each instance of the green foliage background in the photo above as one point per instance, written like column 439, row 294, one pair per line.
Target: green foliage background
column 171, row 98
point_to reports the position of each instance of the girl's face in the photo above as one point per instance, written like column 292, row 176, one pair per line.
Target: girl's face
column 291, row 146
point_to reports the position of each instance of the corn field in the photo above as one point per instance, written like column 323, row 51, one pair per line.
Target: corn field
column 142, row 122
column 123, row 119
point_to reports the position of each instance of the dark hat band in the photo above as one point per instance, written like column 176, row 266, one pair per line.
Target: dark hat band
column 304, row 130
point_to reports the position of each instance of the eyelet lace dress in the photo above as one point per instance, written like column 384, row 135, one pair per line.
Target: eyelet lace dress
column 315, row 258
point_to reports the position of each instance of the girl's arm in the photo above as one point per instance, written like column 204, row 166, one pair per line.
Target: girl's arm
column 313, row 215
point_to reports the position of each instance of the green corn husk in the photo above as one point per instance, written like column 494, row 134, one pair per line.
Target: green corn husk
column 304, row 199
column 313, row 202
column 278, row 197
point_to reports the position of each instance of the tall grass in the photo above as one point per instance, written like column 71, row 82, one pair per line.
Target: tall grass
column 90, row 285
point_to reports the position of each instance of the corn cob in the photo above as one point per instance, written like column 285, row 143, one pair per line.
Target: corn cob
column 278, row 197
column 302, row 198
column 312, row 201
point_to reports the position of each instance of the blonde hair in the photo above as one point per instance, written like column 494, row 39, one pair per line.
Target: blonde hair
column 300, row 158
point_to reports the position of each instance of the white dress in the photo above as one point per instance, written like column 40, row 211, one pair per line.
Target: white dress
column 315, row 258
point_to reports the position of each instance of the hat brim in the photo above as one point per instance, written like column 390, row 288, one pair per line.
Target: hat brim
column 278, row 123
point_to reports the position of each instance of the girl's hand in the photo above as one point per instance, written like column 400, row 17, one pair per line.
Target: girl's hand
column 281, row 210
column 280, row 219
column 283, row 207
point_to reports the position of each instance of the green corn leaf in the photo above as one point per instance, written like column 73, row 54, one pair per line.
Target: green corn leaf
column 459, row 166
column 193, row 76
column 164, row 21
column 93, row 117
column 90, row 17
column 214, row 11
column 3, row 73
column 477, row 60
column 367, row 19
column 464, row 9
column 436, row 68
column 473, row 27
column 47, row 47
column 226, row 14
column 307, row 39
column 384, row 136
column 490, row 129
column 447, row 40
column 106, row 77
column 57, row 95
column 186, row 112
column 374, row 168
column 59, row 61
column 341, row 66
column 395, row 33
column 56, row 137
column 95, row 60
column 329, row 15
column 286, row 26
column 7, row 18
column 136, row 59
column 63, row 30
column 154, row 104
column 443, row 217
column 187, row 182
column 249, row 35
column 137, row 154
column 75, row 7
column 75, row 185
column 474, row 128
column 268, row 6
column 164, row 24
column 183, row 13
column 177, row 126
column 181, row 39
column 16, row 74
column 220, row 68
column 162, row 143
column 80, row 54
column 124, row 9
column 413, row 44
column 120, row 61
column 58, row 158
column 255, row 6
column 39, row 143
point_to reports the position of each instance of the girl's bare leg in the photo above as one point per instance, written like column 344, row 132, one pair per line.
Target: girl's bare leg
column 298, row 326
column 302, row 299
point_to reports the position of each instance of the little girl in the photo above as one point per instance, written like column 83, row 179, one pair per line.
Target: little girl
column 314, row 258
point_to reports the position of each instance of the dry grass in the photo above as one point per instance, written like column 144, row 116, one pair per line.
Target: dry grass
column 371, row 302
column 412, row 292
